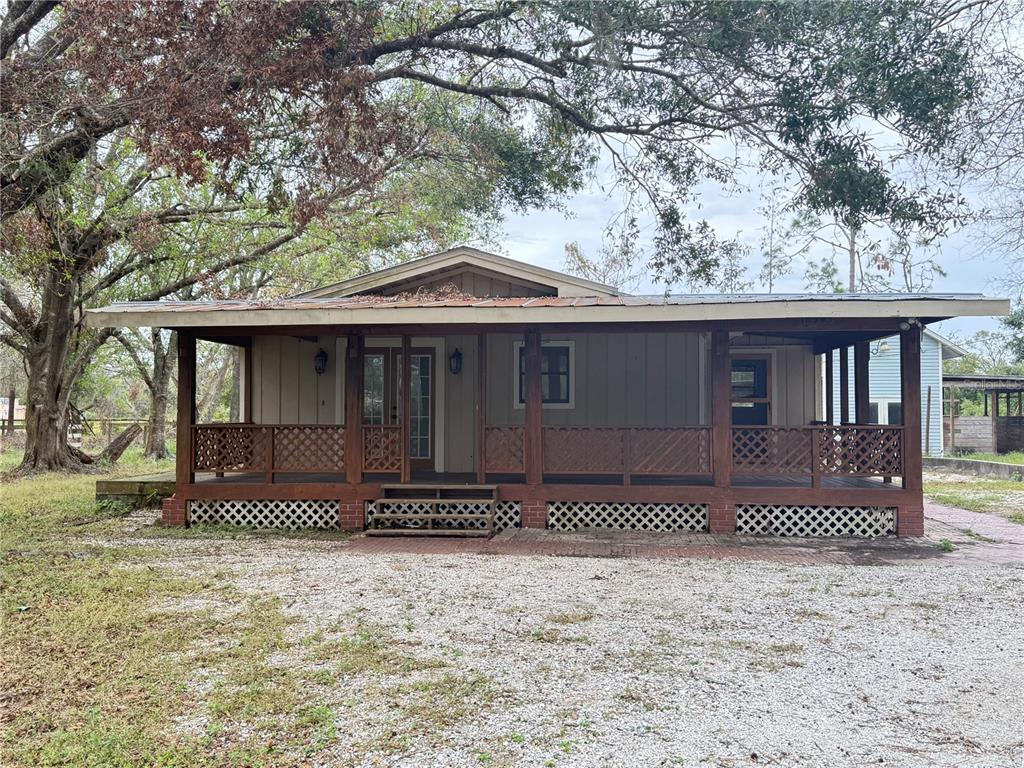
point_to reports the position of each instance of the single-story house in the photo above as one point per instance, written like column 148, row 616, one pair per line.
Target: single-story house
column 884, row 385
column 467, row 390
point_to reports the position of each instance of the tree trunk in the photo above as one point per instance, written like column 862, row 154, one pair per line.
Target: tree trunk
column 236, row 384
column 851, row 239
column 119, row 445
column 159, row 394
column 56, row 357
column 46, row 405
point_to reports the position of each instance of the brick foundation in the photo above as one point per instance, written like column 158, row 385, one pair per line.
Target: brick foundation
column 535, row 514
column 722, row 518
column 352, row 515
column 174, row 512
column 910, row 521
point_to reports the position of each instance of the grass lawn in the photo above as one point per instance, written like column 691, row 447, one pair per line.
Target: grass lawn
column 101, row 650
column 978, row 494
column 1014, row 457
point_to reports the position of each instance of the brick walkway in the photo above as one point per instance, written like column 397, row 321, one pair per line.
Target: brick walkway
column 992, row 541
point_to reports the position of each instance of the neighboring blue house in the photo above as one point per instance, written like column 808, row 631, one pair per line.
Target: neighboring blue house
column 885, row 384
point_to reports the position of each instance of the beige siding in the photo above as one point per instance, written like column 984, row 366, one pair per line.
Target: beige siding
column 460, row 404
column 794, row 374
column 285, row 386
column 645, row 379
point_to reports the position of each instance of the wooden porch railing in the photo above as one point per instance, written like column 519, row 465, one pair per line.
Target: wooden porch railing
column 382, row 447
column 858, row 451
column 268, row 448
column 604, row 450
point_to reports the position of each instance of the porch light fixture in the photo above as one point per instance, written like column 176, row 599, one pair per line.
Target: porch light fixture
column 882, row 346
column 320, row 362
column 455, row 362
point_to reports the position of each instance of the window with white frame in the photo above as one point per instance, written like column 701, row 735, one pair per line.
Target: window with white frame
column 557, row 374
column 885, row 412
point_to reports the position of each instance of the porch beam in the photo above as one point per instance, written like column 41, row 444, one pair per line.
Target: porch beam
column 406, row 452
column 844, row 385
column 354, row 409
column 481, row 408
column 184, row 473
column 861, row 382
column 534, row 414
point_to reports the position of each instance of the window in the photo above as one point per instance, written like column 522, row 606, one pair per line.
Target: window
column 885, row 412
column 751, row 398
column 556, row 374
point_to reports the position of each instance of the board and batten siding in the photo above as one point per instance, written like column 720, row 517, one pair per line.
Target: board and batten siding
column 640, row 379
column 620, row 379
column 884, row 380
column 796, row 398
column 285, row 386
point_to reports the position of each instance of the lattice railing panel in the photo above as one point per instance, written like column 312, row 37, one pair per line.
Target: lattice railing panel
column 382, row 448
column 772, row 450
column 571, row 515
column 309, row 448
column 786, row 520
column 288, row 514
column 861, row 450
column 583, row 450
column 503, row 449
column 670, row 451
column 229, row 448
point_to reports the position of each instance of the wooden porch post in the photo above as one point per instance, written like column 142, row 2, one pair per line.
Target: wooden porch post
column 534, row 415
column 481, row 408
column 995, row 421
column 830, row 397
column 184, row 473
column 862, row 382
column 722, row 514
column 354, row 409
column 844, row 385
column 910, row 519
column 406, row 431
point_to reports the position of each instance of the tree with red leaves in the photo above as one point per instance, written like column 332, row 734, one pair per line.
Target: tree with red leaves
column 314, row 107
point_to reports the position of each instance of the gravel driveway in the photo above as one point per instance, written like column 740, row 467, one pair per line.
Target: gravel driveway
column 601, row 662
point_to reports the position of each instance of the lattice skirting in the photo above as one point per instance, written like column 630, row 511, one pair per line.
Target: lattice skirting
column 507, row 514
column 571, row 515
column 292, row 514
column 784, row 520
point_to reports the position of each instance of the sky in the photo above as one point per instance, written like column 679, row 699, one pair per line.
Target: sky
column 539, row 237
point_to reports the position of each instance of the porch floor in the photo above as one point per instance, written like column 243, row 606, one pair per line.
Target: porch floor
column 161, row 485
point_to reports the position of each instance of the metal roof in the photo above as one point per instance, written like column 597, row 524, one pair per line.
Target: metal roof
column 983, row 381
column 356, row 310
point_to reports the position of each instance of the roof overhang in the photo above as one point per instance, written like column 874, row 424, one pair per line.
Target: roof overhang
column 356, row 312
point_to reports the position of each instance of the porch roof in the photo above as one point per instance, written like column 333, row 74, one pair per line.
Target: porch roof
column 378, row 310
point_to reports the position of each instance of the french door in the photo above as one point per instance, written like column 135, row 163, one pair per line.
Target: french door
column 382, row 397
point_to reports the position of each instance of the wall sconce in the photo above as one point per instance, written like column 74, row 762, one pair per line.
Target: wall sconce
column 455, row 362
column 882, row 346
column 320, row 362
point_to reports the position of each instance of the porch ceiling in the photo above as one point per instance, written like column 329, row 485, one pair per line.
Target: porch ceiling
column 821, row 313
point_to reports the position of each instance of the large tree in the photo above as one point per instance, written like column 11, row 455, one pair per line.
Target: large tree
column 313, row 107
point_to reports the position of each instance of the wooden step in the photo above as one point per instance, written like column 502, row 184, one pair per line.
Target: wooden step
column 478, row 533
column 428, row 516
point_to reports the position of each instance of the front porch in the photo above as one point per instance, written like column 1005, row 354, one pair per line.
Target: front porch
column 401, row 419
